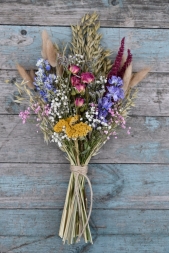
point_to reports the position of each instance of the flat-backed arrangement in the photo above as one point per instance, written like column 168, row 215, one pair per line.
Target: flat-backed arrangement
column 79, row 98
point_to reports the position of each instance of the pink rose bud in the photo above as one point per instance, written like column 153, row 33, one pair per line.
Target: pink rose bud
column 80, row 87
column 79, row 102
column 87, row 77
column 74, row 69
column 75, row 80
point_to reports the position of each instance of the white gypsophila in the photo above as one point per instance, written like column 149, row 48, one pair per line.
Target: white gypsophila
column 57, row 137
column 60, row 104
column 76, row 59
column 39, row 62
column 92, row 119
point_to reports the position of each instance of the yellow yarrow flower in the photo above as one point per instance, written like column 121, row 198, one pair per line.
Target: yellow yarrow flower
column 72, row 131
column 72, row 120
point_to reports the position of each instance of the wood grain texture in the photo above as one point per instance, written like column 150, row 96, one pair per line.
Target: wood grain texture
column 113, row 13
column 149, row 46
column 146, row 144
column 152, row 98
column 38, row 222
column 102, row 244
column 129, row 176
column 125, row 186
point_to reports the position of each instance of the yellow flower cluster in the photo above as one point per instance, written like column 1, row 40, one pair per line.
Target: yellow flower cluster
column 71, row 129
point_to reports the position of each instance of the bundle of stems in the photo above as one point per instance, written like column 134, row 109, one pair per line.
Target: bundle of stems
column 74, row 216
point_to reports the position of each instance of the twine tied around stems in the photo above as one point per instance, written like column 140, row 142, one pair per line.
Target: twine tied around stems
column 82, row 170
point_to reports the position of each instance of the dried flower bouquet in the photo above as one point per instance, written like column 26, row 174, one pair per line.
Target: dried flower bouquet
column 80, row 98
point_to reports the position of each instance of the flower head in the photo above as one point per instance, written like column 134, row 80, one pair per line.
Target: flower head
column 74, row 69
column 116, row 81
column 75, row 80
column 115, row 92
column 24, row 115
column 105, row 103
column 80, row 87
column 87, row 77
column 79, row 102
column 72, row 130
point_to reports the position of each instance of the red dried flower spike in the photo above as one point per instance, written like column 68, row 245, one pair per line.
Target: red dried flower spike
column 116, row 65
column 126, row 64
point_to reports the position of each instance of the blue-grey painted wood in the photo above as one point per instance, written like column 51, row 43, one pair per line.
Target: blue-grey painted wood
column 43, row 223
column 131, row 203
column 121, row 13
column 117, row 186
column 102, row 244
column 149, row 47
column 146, row 144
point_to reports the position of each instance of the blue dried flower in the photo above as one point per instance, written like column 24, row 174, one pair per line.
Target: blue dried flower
column 47, row 67
column 116, row 81
column 116, row 93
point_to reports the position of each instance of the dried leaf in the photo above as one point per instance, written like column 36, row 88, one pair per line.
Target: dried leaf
column 23, row 73
column 127, row 77
column 139, row 76
column 51, row 53
column 32, row 74
column 45, row 38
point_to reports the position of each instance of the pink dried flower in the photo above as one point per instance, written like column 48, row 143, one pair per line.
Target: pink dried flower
column 87, row 77
column 24, row 115
column 80, row 87
column 79, row 102
column 75, row 80
column 74, row 69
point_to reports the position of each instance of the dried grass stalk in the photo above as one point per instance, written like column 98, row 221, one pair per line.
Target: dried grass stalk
column 51, row 53
column 59, row 69
column 45, row 38
column 139, row 76
column 23, row 73
column 127, row 77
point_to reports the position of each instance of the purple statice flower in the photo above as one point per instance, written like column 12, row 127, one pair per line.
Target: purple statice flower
column 44, row 95
column 105, row 103
column 103, row 108
column 115, row 92
column 116, row 81
column 102, row 114
column 44, row 81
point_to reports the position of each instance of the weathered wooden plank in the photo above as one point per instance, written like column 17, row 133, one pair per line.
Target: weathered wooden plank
column 146, row 144
column 102, row 244
column 23, row 44
column 121, row 13
column 37, row 222
column 114, row 186
column 152, row 99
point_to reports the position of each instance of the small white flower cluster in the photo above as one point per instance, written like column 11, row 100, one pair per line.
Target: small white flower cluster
column 102, row 80
column 76, row 59
column 60, row 106
column 40, row 62
column 92, row 118
column 98, row 86
column 56, row 138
